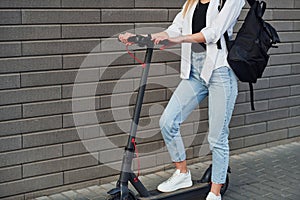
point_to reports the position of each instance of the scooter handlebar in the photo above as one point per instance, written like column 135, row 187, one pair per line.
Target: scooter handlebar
column 145, row 41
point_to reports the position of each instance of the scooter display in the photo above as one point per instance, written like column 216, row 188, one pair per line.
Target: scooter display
column 122, row 192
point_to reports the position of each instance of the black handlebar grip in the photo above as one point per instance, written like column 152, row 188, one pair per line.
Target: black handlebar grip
column 132, row 39
column 164, row 42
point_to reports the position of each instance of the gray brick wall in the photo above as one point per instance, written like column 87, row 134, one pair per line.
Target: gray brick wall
column 47, row 145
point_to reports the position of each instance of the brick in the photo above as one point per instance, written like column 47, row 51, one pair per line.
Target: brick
column 277, row 70
column 111, row 87
column 58, row 77
column 280, row 4
column 30, row 32
column 133, row 15
column 126, row 99
column 296, row 47
column 163, row 56
column 284, row 102
column 288, row 37
column 10, row 143
column 60, row 16
column 296, row 26
column 285, row 80
column 286, row 15
column 111, row 155
column 246, row 107
column 153, row 27
column 248, row 130
column 29, row 125
column 10, row 112
column 92, row 89
column 296, row 69
column 282, row 48
column 284, row 59
column 111, row 44
column 31, row 184
column 80, row 90
column 241, row 98
column 295, row 111
column 30, row 64
column 267, row 16
column 294, row 132
column 266, row 116
column 10, row 17
column 98, row 3
column 10, row 49
column 160, row 4
column 9, row 81
column 270, row 94
column 266, row 137
column 154, row 135
column 236, row 143
column 29, row 4
column 60, row 107
column 59, row 165
column 295, row 90
column 30, row 155
column 150, row 148
column 10, row 173
column 283, row 123
column 93, row 30
column 173, row 13
column 30, row 95
column 126, row 72
column 96, row 60
column 146, row 162
column 89, row 173
column 90, row 132
column 160, row 82
column 261, row 83
column 93, row 145
column 60, row 47
column 237, row 120
column 50, row 137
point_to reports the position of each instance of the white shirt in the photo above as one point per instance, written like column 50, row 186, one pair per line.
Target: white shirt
column 217, row 23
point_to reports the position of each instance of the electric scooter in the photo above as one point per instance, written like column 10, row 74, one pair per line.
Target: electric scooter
column 122, row 192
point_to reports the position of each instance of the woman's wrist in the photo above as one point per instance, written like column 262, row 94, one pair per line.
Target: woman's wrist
column 184, row 38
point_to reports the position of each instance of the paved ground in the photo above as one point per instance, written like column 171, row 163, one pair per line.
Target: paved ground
column 268, row 174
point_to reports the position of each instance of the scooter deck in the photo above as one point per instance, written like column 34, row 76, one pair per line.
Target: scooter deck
column 155, row 194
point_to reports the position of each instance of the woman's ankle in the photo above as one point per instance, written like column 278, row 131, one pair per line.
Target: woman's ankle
column 182, row 166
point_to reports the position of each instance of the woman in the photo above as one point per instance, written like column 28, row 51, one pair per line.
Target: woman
column 204, row 72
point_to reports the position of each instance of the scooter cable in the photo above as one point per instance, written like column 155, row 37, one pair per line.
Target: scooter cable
column 138, row 159
column 135, row 58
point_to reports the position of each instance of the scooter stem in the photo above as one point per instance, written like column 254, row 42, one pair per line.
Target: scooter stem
column 129, row 150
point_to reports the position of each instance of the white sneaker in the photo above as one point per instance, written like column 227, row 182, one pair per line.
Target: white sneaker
column 176, row 181
column 212, row 196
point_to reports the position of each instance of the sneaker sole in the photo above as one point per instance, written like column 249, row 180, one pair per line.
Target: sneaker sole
column 178, row 187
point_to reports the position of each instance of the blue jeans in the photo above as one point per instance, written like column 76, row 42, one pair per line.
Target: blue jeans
column 222, row 92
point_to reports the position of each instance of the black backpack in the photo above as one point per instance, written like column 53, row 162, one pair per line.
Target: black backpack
column 248, row 53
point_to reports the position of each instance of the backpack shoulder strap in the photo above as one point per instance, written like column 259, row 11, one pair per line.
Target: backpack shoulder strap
column 251, row 2
column 251, row 96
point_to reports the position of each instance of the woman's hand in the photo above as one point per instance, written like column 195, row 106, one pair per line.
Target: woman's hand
column 124, row 38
